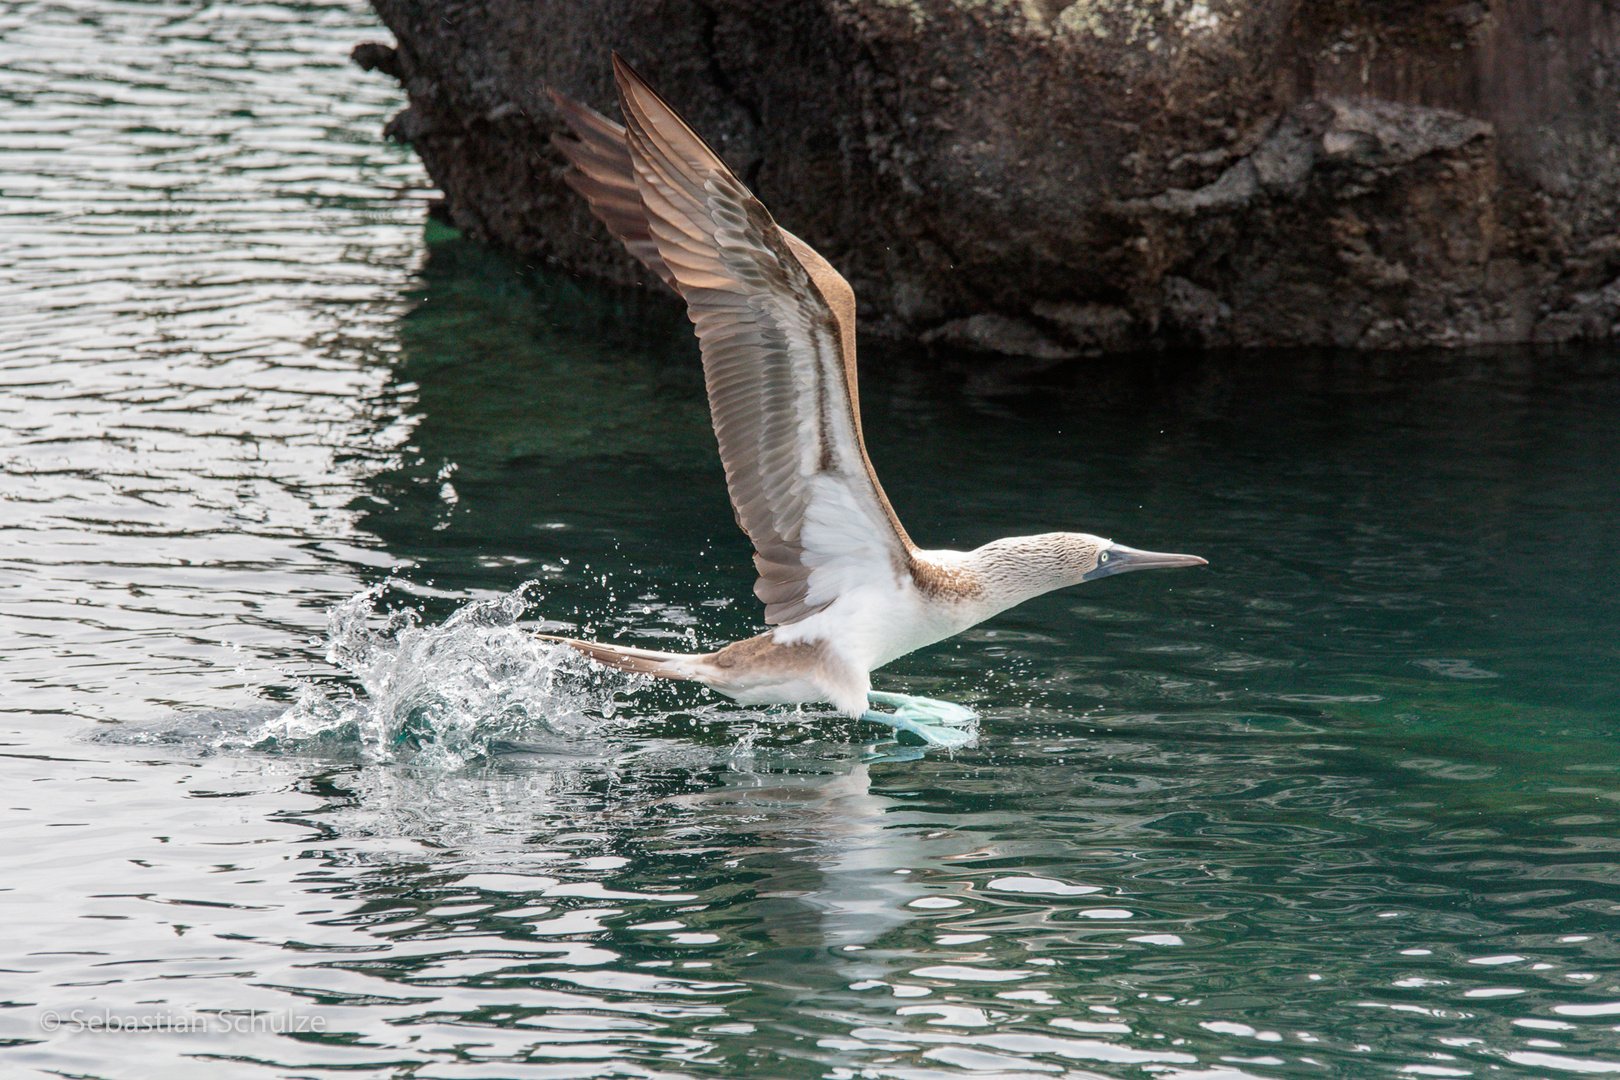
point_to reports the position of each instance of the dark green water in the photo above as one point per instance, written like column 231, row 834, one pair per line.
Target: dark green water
column 1340, row 804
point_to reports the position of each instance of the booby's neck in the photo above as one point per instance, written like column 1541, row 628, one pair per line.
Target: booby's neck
column 1005, row 573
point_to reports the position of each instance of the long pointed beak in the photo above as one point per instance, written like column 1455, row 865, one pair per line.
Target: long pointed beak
column 1117, row 558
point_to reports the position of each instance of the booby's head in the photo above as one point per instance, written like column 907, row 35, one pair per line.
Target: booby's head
column 1111, row 558
column 1019, row 567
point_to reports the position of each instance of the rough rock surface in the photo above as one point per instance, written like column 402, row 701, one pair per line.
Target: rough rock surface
column 1052, row 179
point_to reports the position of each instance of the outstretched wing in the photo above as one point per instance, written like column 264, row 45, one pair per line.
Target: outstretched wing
column 777, row 328
column 602, row 173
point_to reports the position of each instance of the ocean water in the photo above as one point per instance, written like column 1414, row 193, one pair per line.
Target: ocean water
column 291, row 479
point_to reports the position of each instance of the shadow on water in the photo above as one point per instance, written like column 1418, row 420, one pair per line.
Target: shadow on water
column 541, row 406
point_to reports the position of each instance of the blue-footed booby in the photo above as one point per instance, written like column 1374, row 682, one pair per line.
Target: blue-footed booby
column 843, row 585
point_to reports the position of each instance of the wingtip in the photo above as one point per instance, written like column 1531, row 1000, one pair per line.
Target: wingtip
column 632, row 85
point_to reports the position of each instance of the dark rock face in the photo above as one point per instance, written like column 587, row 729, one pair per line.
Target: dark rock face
column 1052, row 179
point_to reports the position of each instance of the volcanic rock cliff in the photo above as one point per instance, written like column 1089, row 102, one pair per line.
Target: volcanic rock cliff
column 1052, row 179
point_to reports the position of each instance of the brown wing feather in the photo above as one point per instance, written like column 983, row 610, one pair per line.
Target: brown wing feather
column 775, row 321
column 603, row 175
column 841, row 299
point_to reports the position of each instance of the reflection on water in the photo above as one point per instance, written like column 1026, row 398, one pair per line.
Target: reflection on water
column 1342, row 804
column 1100, row 903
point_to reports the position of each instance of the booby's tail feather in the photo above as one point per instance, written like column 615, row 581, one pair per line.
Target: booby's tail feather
column 664, row 665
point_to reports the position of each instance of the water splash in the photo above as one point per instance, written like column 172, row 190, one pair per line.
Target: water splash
column 443, row 695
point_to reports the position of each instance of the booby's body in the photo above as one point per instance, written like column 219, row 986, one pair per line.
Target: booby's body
column 844, row 585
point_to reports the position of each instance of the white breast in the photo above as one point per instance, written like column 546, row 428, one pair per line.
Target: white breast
column 882, row 616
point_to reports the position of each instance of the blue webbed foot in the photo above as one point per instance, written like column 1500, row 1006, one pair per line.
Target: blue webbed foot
column 935, row 722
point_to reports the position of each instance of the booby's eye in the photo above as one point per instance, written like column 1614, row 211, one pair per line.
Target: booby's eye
column 1102, row 558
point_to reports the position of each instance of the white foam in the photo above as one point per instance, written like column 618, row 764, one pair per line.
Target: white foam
column 444, row 694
